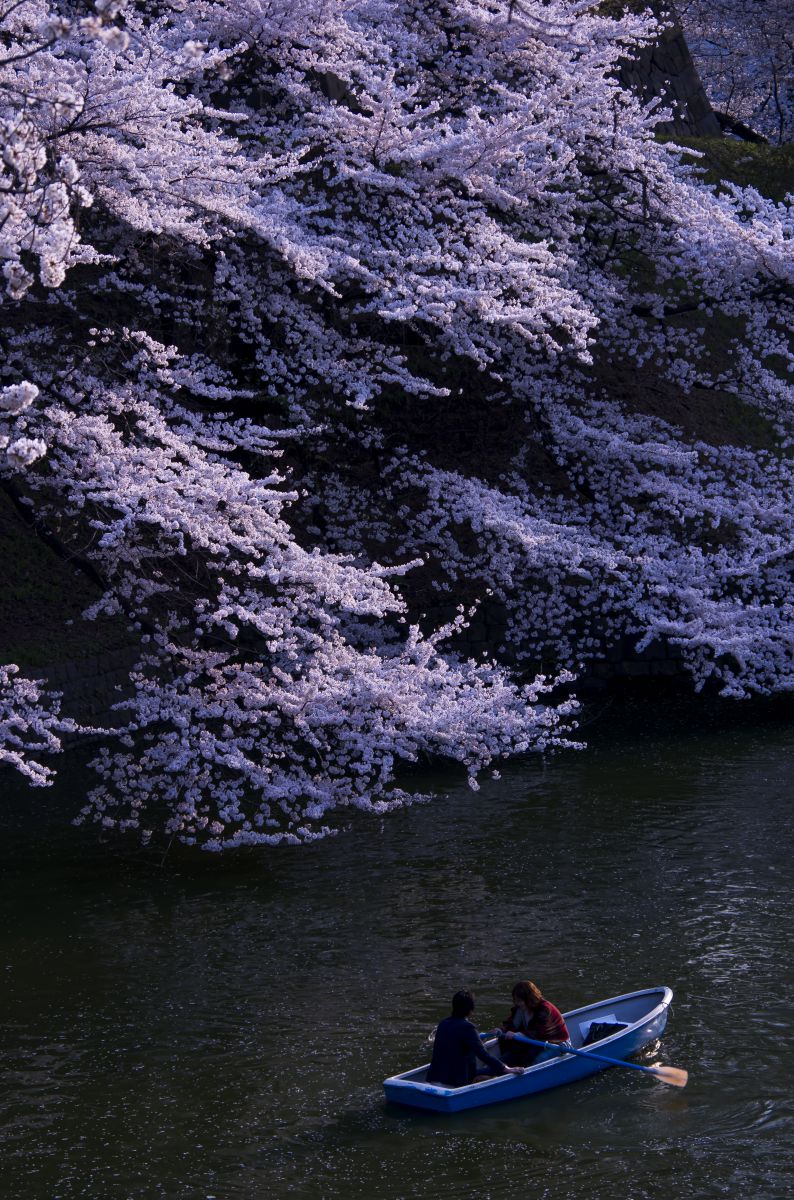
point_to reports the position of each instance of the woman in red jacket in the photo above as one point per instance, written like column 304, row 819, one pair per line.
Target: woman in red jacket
column 534, row 1017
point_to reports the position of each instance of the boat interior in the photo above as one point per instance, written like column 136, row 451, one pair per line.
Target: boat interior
column 621, row 1013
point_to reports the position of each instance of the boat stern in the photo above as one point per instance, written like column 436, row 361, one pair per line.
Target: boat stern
column 419, row 1095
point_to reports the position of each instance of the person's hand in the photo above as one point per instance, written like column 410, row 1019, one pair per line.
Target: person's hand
column 509, row 1033
column 516, row 1070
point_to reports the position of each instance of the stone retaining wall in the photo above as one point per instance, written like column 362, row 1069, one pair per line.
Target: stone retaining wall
column 91, row 685
column 485, row 636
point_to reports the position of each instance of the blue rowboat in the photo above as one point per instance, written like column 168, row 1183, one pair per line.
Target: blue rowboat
column 643, row 1015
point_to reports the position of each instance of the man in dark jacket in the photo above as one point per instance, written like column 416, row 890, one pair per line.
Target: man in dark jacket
column 458, row 1047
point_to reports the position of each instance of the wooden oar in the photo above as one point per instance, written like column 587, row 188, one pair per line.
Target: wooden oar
column 675, row 1076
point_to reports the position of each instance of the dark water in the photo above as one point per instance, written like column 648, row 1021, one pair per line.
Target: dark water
column 223, row 1032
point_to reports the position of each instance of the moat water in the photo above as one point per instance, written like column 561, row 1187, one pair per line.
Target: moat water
column 222, row 1029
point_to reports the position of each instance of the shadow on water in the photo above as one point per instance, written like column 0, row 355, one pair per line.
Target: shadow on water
column 222, row 1028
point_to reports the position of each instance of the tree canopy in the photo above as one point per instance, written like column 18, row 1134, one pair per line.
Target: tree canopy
column 315, row 309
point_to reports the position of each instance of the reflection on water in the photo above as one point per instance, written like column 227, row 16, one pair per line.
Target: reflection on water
column 224, row 1031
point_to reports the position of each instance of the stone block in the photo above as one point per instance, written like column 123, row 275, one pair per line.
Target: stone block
column 653, row 652
column 636, row 670
column 617, row 652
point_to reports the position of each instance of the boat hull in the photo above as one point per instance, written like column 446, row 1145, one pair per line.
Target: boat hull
column 647, row 1009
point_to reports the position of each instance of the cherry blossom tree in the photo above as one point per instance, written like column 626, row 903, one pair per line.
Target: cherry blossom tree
column 256, row 252
column 744, row 50
column 274, row 684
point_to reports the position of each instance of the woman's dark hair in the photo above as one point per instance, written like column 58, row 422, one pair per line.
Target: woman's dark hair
column 530, row 993
column 462, row 1003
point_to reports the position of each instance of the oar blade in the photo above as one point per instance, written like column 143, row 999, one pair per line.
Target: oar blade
column 675, row 1076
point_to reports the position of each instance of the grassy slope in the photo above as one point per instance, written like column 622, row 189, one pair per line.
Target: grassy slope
column 770, row 169
column 715, row 417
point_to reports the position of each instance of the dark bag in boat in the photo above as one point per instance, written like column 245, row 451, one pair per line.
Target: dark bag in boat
column 603, row 1029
